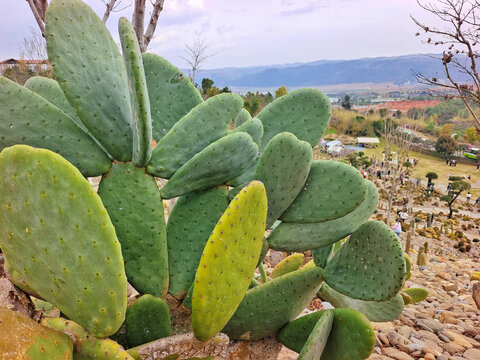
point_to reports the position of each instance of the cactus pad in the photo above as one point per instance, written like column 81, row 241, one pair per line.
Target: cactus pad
column 89, row 69
column 317, row 340
column 51, row 91
column 321, row 256
column 27, row 118
column 351, row 337
column 23, row 338
column 172, row 95
column 370, row 265
column 86, row 346
column 142, row 122
column 300, row 237
column 305, row 113
column 289, row 264
column 253, row 127
column 268, row 307
column 283, row 168
column 416, row 294
column 60, row 240
column 374, row 310
column 147, row 319
column 203, row 125
column 189, row 226
column 242, row 117
column 332, row 190
column 133, row 202
column 214, row 165
column 228, row 261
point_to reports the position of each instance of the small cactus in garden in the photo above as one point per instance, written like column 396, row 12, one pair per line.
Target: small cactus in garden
column 77, row 249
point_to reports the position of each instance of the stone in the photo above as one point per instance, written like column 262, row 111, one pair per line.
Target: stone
column 472, row 354
column 432, row 325
column 429, row 356
column 396, row 354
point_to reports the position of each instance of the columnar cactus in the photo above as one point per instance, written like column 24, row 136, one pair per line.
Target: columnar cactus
column 76, row 249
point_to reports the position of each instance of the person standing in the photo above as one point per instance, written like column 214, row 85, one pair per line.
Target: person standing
column 469, row 196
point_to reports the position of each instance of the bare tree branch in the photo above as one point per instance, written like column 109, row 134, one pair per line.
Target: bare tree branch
column 152, row 25
column 138, row 19
column 109, row 7
column 197, row 54
column 37, row 13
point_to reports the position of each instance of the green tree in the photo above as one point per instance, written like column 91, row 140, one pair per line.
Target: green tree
column 471, row 135
column 359, row 160
column 447, row 130
column 282, row 90
column 252, row 106
column 456, row 188
column 346, row 104
column 446, row 145
column 206, row 85
column 431, row 176
column 382, row 113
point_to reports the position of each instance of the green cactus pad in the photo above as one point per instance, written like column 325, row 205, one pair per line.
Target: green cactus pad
column 89, row 68
column 245, row 177
column 147, row 319
column 228, row 261
column 23, row 338
column 300, row 237
column 305, row 113
column 332, row 190
column 142, row 122
column 408, row 264
column 416, row 294
column 86, row 346
column 321, row 256
column 27, row 118
column 133, row 202
column 351, row 337
column 289, row 264
column 189, row 226
column 172, row 94
column 214, row 165
column 317, row 340
column 187, row 300
column 283, row 168
column 374, row 310
column 268, row 307
column 253, row 127
column 203, row 125
column 242, row 117
column 60, row 240
column 51, row 91
column 370, row 265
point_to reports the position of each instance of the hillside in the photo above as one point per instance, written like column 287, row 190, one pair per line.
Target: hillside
column 397, row 70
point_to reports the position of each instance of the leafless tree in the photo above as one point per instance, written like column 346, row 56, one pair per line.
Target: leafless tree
column 459, row 38
column 39, row 8
column 34, row 47
column 196, row 55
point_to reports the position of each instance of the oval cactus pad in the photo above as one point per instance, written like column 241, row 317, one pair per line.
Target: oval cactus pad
column 370, row 265
column 228, row 261
column 57, row 237
column 332, row 190
column 304, row 112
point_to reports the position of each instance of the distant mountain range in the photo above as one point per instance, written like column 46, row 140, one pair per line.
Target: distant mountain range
column 396, row 70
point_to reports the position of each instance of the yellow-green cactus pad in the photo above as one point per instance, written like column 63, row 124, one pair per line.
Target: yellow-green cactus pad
column 416, row 294
column 289, row 264
column 317, row 340
column 370, row 265
column 228, row 261
column 58, row 239
column 86, row 346
column 374, row 310
column 268, row 307
column 27, row 118
column 89, row 68
column 21, row 338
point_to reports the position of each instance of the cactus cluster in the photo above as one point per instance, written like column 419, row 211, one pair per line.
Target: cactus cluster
column 76, row 249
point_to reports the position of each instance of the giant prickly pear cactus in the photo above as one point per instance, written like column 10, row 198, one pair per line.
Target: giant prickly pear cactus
column 60, row 243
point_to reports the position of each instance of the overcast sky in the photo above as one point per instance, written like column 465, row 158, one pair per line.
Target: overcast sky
column 259, row 32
